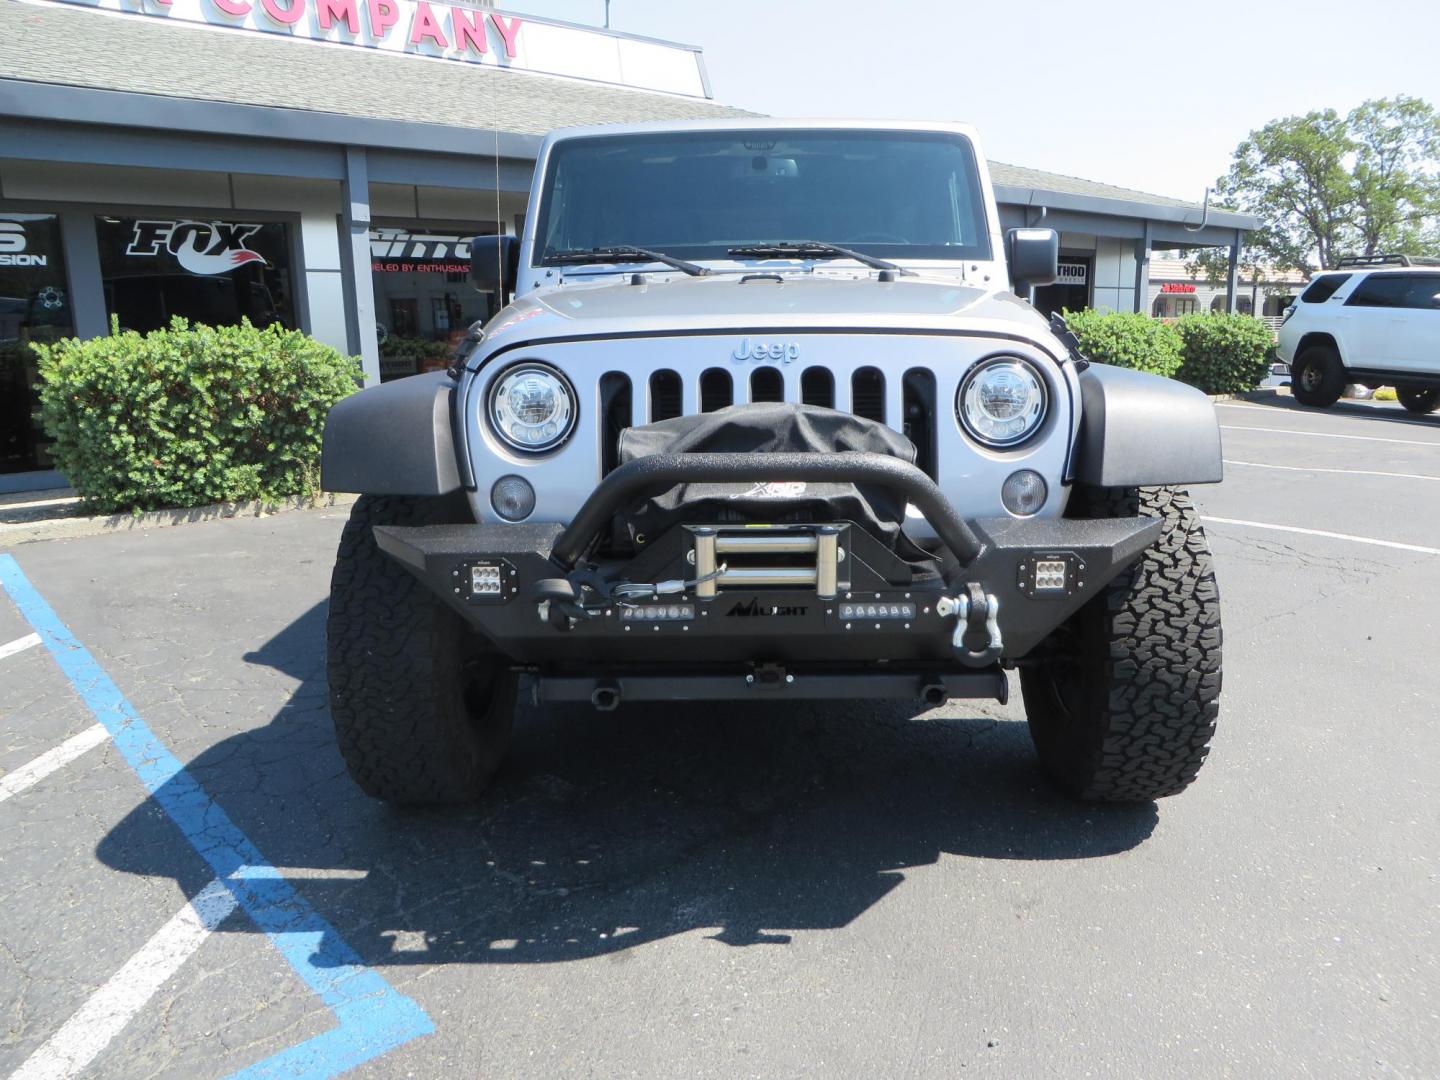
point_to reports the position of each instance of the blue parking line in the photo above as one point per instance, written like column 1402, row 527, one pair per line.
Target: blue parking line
column 373, row 1016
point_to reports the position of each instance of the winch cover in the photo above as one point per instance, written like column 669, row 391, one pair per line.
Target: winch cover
column 769, row 427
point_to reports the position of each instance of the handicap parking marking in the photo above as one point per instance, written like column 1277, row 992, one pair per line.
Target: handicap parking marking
column 32, row 772
column 81, row 1039
column 373, row 1018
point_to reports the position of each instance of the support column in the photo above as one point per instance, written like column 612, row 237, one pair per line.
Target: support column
column 355, row 202
column 82, row 267
column 1142, row 271
column 1232, row 277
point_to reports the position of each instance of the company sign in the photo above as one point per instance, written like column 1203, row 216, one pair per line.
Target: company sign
column 447, row 31
column 1177, row 287
column 201, row 247
column 13, row 243
column 1072, row 273
column 402, row 251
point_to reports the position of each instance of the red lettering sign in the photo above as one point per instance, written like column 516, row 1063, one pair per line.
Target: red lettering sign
column 1177, row 286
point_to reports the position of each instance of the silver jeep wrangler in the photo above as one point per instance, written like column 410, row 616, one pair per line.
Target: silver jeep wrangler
column 766, row 420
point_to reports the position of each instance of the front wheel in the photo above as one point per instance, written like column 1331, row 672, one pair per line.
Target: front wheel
column 422, row 709
column 1418, row 401
column 1122, row 698
column 1316, row 377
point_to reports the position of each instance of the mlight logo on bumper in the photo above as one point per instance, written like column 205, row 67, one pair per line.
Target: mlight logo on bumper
column 753, row 609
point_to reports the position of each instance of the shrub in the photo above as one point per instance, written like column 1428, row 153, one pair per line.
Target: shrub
column 418, row 347
column 190, row 415
column 1127, row 339
column 1224, row 354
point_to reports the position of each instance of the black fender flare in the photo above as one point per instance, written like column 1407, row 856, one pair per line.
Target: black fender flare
column 393, row 439
column 1139, row 429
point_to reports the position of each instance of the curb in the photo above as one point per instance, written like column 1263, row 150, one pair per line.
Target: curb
column 1252, row 395
column 64, row 527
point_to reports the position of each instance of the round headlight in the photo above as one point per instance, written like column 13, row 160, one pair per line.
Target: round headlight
column 1001, row 402
column 532, row 407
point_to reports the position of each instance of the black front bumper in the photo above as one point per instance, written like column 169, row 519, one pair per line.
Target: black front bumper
column 887, row 627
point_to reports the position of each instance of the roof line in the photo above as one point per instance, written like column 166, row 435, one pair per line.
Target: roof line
column 1028, row 195
column 124, row 108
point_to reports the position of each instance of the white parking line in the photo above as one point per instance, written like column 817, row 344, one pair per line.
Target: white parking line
column 110, row 1008
column 32, row 772
column 1322, row 532
column 1342, row 472
column 1373, row 406
column 19, row 645
column 1331, row 435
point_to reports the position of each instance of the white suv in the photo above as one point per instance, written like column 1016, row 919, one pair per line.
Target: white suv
column 1373, row 320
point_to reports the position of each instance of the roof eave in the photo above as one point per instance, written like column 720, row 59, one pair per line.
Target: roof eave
column 121, row 108
column 1015, row 195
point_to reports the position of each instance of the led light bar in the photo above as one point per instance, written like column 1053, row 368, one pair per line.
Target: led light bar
column 658, row 613
column 877, row 611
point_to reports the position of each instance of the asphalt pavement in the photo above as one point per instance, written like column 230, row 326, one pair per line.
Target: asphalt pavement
column 730, row 891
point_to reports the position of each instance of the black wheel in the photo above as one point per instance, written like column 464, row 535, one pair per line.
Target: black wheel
column 1417, row 401
column 1122, row 698
column 422, row 708
column 1316, row 376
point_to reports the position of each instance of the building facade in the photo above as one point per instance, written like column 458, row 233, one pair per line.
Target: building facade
column 323, row 164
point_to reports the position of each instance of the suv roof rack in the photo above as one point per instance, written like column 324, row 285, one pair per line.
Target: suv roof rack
column 1385, row 260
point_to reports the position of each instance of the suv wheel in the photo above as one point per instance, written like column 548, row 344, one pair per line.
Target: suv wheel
column 422, row 709
column 1123, row 697
column 1316, row 377
column 1418, row 401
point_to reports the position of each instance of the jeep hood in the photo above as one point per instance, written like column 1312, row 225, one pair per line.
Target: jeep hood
column 728, row 303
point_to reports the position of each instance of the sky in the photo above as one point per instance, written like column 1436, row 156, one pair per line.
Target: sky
column 1153, row 96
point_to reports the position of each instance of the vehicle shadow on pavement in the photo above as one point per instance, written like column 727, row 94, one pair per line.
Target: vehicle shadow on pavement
column 1391, row 415
column 606, row 830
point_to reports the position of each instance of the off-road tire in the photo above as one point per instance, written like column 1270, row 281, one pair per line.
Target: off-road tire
column 422, row 709
column 1122, row 698
column 1417, row 401
column 1317, row 377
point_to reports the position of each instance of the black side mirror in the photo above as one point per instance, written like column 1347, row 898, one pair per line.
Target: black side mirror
column 494, row 263
column 1033, row 255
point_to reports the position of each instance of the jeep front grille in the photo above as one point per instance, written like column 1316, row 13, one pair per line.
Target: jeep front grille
column 665, row 394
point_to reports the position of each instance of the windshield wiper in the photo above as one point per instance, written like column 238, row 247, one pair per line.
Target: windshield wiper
column 812, row 249
column 625, row 253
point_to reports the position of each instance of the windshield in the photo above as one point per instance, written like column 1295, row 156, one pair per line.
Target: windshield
column 696, row 195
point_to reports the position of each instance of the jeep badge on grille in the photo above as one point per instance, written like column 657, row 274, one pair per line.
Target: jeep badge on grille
column 781, row 352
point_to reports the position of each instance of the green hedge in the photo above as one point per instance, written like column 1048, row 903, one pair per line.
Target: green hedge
column 1127, row 339
column 191, row 415
column 1219, row 353
column 1224, row 354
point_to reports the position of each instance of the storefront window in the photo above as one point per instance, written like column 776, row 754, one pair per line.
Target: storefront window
column 1173, row 305
column 34, row 308
column 424, row 302
column 208, row 271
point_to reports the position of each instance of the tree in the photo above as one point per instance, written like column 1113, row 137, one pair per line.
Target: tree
column 1326, row 186
column 1397, row 184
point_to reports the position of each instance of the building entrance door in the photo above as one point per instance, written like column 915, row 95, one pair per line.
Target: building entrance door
column 1071, row 291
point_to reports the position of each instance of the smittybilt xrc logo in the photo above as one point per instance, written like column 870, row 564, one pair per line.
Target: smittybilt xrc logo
column 202, row 247
column 753, row 609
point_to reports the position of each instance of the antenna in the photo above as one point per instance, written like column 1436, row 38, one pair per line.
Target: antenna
column 607, row 14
